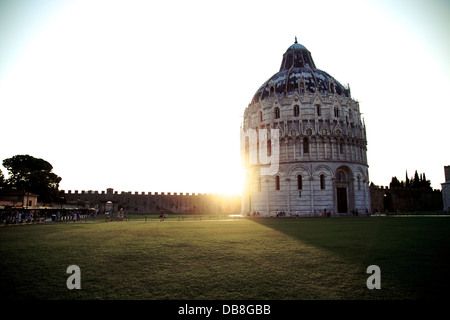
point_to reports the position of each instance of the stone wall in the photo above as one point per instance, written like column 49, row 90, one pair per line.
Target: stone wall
column 381, row 198
column 153, row 202
column 446, row 196
column 405, row 199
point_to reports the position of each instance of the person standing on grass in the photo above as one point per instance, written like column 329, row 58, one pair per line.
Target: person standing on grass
column 161, row 216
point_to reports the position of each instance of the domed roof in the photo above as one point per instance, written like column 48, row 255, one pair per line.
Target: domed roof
column 296, row 46
column 298, row 73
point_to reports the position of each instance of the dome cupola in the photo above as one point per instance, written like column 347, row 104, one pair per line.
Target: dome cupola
column 298, row 73
column 297, row 56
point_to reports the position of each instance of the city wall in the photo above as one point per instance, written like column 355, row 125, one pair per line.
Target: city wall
column 405, row 199
column 151, row 202
column 382, row 199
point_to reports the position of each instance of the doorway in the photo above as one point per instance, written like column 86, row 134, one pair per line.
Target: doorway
column 342, row 200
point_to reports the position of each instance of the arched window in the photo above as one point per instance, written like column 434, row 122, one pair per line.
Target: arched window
column 277, row 113
column 277, row 182
column 299, row 182
column 269, row 148
column 302, row 86
column 331, row 87
column 322, row 182
column 260, row 116
column 318, row 110
column 359, row 182
column 296, row 110
column 336, row 112
column 340, row 176
column 305, row 145
column 272, row 90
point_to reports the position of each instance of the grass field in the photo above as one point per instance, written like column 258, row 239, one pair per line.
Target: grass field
column 309, row 258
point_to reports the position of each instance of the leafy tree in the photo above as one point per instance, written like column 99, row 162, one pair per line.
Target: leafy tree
column 416, row 182
column 396, row 183
column 424, row 183
column 2, row 179
column 30, row 174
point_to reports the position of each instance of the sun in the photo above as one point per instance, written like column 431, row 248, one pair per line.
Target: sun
column 228, row 181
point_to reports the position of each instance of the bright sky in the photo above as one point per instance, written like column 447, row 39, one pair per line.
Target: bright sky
column 149, row 95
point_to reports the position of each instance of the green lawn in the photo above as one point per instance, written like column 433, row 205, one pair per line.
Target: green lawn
column 312, row 258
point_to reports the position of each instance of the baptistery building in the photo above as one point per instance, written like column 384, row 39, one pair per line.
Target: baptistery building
column 303, row 144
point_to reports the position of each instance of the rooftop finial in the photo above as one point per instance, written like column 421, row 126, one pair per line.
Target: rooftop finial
column 295, row 39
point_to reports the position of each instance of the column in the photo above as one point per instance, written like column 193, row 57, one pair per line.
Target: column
column 311, row 179
column 301, row 148
column 317, row 148
column 267, row 197
column 287, row 149
column 288, row 181
column 295, row 155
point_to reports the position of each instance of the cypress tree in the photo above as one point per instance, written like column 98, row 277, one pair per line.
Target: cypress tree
column 407, row 180
column 416, row 182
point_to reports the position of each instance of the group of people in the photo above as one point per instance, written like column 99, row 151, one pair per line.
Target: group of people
column 282, row 214
column 163, row 215
column 120, row 215
column 71, row 215
column 76, row 217
column 297, row 214
column 19, row 216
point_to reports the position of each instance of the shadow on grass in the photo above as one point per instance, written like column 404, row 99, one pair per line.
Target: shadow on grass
column 412, row 253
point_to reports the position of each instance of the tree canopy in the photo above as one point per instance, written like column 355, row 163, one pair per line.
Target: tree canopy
column 30, row 174
column 2, row 179
column 416, row 182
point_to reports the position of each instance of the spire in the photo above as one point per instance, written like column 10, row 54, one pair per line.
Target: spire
column 295, row 39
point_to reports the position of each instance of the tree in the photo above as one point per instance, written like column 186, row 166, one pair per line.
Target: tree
column 416, row 181
column 424, row 183
column 2, row 179
column 407, row 180
column 30, row 174
column 396, row 183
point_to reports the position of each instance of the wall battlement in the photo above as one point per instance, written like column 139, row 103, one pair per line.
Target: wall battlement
column 139, row 193
column 153, row 202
